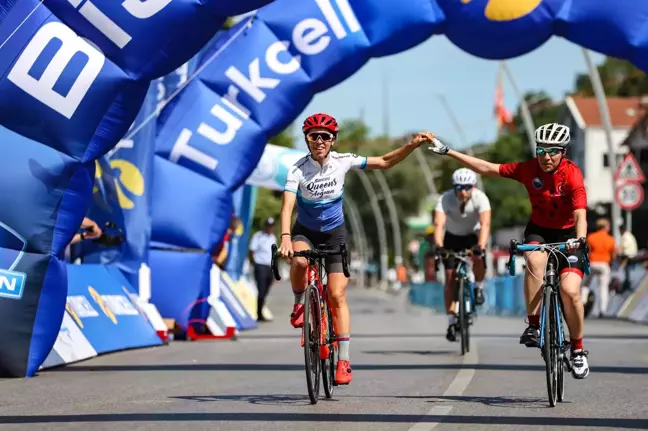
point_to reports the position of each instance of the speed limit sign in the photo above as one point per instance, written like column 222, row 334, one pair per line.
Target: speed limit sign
column 629, row 195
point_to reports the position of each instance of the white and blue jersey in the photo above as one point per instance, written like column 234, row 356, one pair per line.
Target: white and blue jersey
column 320, row 189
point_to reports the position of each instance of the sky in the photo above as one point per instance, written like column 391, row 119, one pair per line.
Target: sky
column 468, row 83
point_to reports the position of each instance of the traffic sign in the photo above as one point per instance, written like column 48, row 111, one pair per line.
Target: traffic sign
column 629, row 196
column 629, row 170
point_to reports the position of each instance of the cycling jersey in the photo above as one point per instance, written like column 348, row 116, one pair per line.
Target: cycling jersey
column 320, row 189
column 554, row 195
column 466, row 222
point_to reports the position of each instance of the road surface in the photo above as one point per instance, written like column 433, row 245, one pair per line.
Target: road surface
column 406, row 377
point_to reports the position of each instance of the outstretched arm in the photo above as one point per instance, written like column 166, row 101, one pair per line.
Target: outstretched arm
column 482, row 167
column 394, row 157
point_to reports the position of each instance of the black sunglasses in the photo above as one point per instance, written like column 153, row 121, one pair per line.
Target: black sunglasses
column 463, row 187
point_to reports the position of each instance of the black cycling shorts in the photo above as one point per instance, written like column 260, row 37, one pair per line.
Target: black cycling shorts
column 330, row 239
column 459, row 243
column 542, row 235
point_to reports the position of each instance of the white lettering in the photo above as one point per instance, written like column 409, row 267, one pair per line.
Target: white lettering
column 8, row 283
column 306, row 34
column 230, row 100
column 144, row 9
column 102, row 23
column 272, row 58
column 42, row 89
column 183, row 73
column 182, row 149
column 254, row 83
column 232, row 124
column 332, row 18
column 348, row 15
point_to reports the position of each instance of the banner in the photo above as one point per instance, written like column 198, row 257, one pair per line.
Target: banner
column 102, row 307
column 180, row 283
column 189, row 210
column 70, row 346
column 73, row 76
column 272, row 170
column 274, row 62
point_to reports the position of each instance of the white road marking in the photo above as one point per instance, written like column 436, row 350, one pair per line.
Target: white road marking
column 456, row 389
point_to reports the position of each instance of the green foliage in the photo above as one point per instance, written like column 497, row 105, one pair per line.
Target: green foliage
column 284, row 139
column 620, row 78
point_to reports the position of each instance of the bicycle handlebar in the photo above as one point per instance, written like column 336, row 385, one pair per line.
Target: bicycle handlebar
column 516, row 247
column 312, row 254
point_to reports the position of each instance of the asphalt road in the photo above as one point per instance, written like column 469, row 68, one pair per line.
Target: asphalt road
column 406, row 377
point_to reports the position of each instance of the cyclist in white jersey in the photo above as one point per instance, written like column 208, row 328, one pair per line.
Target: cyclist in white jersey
column 316, row 183
column 462, row 219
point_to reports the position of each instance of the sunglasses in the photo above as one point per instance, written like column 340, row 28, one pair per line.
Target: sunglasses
column 551, row 151
column 324, row 136
column 463, row 187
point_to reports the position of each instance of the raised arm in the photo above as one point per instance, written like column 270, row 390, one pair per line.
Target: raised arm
column 394, row 157
column 482, row 167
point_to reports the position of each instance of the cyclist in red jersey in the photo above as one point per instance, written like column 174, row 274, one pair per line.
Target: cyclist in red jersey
column 559, row 204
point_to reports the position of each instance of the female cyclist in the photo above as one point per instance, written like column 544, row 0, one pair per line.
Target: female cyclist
column 316, row 183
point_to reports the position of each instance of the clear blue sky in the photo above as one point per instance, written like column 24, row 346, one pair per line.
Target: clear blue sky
column 468, row 83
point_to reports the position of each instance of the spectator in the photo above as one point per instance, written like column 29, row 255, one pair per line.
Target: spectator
column 628, row 247
column 627, row 250
column 91, row 231
column 601, row 254
column 260, row 257
column 221, row 251
column 427, row 255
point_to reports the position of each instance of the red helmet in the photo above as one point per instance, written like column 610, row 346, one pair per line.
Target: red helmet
column 320, row 120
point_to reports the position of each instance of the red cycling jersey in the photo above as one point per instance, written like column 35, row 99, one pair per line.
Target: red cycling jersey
column 554, row 196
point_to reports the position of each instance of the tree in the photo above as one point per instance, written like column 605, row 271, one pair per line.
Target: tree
column 620, row 78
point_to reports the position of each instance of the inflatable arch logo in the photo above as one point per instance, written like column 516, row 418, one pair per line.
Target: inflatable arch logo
column 129, row 181
column 507, row 10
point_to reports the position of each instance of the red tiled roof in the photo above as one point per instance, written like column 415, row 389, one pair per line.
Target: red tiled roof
column 624, row 111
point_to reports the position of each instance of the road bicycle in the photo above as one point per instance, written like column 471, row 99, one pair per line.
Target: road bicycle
column 318, row 333
column 465, row 300
column 553, row 345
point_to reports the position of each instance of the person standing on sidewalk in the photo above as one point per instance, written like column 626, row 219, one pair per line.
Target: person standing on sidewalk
column 601, row 253
column 261, row 257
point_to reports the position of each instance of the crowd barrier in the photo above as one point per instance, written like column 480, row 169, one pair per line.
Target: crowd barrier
column 505, row 297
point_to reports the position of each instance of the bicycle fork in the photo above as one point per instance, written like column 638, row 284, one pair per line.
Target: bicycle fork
column 562, row 343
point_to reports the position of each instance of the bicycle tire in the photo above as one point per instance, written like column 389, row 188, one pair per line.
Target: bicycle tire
column 311, row 342
column 328, row 364
column 561, row 359
column 548, row 348
column 463, row 325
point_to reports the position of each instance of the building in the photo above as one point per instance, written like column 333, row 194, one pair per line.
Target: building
column 637, row 142
column 589, row 147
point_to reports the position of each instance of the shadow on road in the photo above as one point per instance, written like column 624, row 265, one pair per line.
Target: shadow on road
column 409, row 352
column 267, row 400
column 300, row 367
column 531, row 421
column 516, row 336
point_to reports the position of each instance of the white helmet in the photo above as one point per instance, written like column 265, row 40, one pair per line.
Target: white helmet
column 552, row 134
column 463, row 176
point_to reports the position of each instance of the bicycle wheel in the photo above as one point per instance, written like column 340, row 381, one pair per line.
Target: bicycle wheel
column 561, row 358
column 549, row 350
column 328, row 364
column 463, row 319
column 311, row 342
